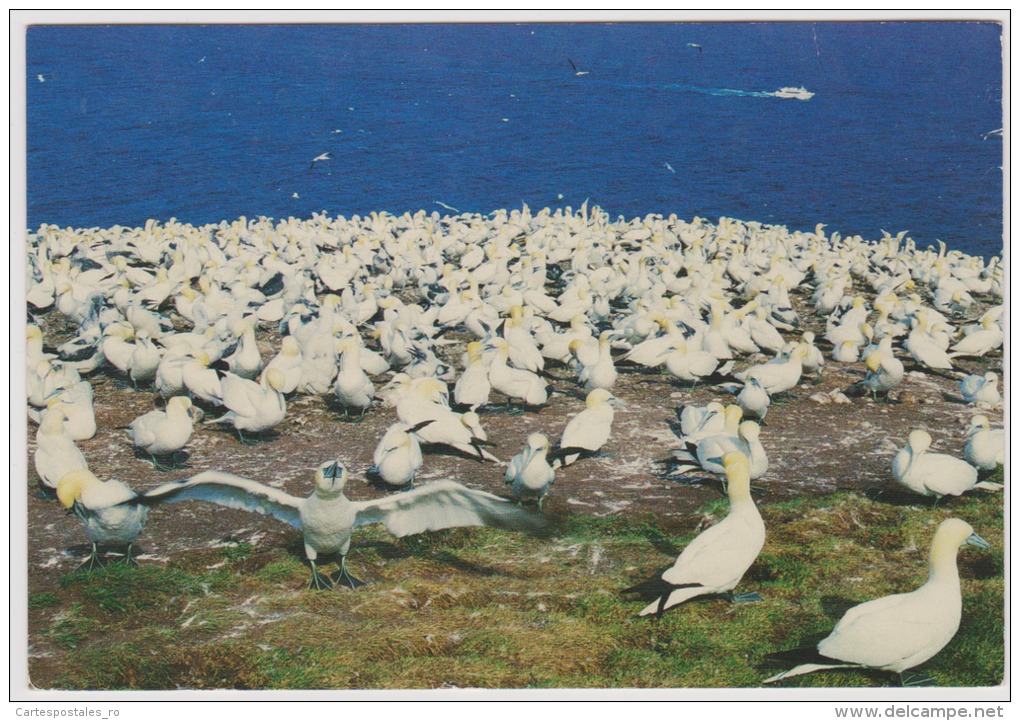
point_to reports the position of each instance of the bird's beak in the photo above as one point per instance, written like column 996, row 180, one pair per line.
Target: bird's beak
column 529, row 456
column 617, row 402
column 976, row 540
column 334, row 470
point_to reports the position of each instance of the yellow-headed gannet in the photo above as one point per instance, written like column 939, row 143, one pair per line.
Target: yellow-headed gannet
column 896, row 633
column 715, row 561
column 327, row 517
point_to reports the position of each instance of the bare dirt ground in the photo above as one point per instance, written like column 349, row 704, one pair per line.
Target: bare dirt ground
column 814, row 448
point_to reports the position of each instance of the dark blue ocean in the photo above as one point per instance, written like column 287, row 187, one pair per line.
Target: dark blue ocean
column 205, row 123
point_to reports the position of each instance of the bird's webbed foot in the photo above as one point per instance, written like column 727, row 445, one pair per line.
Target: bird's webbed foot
column 345, row 578
column 319, row 582
column 247, row 441
column 128, row 558
column 92, row 563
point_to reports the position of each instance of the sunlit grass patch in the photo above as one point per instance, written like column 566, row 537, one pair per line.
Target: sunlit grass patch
column 490, row 609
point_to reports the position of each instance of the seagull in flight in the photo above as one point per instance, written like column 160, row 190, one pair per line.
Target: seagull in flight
column 696, row 47
column 669, row 168
column 320, row 158
column 577, row 73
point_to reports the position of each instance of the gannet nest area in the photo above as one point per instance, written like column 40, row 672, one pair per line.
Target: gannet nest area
column 219, row 599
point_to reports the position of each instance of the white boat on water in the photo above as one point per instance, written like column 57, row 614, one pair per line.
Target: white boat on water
column 795, row 93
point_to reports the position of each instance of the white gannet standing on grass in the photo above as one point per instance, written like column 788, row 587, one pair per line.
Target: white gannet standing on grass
column 108, row 510
column 934, row 474
column 529, row 474
column 985, row 449
column 589, row 429
column 327, row 518
column 161, row 433
column 715, row 561
column 896, row 633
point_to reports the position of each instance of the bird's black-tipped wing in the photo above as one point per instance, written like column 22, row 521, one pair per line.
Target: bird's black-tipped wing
column 797, row 656
column 446, row 504
column 656, row 587
column 231, row 491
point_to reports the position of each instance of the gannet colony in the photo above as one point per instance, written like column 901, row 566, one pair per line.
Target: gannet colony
column 507, row 370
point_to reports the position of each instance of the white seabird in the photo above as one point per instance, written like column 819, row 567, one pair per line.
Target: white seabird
column 896, row 633
column 160, row 433
column 398, row 457
column 715, row 561
column 980, row 389
column 56, row 455
column 934, row 474
column 108, row 510
column 253, row 407
column 328, row 518
column 529, row 474
column 320, row 159
column 986, row 448
column 589, row 429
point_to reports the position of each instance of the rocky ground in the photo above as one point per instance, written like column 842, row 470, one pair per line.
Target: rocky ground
column 814, row 447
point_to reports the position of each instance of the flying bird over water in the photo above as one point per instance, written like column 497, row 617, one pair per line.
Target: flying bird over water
column 320, row 158
column 577, row 73
column 696, row 47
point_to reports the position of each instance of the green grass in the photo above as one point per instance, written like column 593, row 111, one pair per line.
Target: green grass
column 490, row 609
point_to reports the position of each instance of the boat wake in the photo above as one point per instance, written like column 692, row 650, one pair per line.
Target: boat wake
column 786, row 93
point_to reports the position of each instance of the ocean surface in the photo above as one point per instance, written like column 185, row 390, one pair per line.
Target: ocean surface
column 206, row 123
